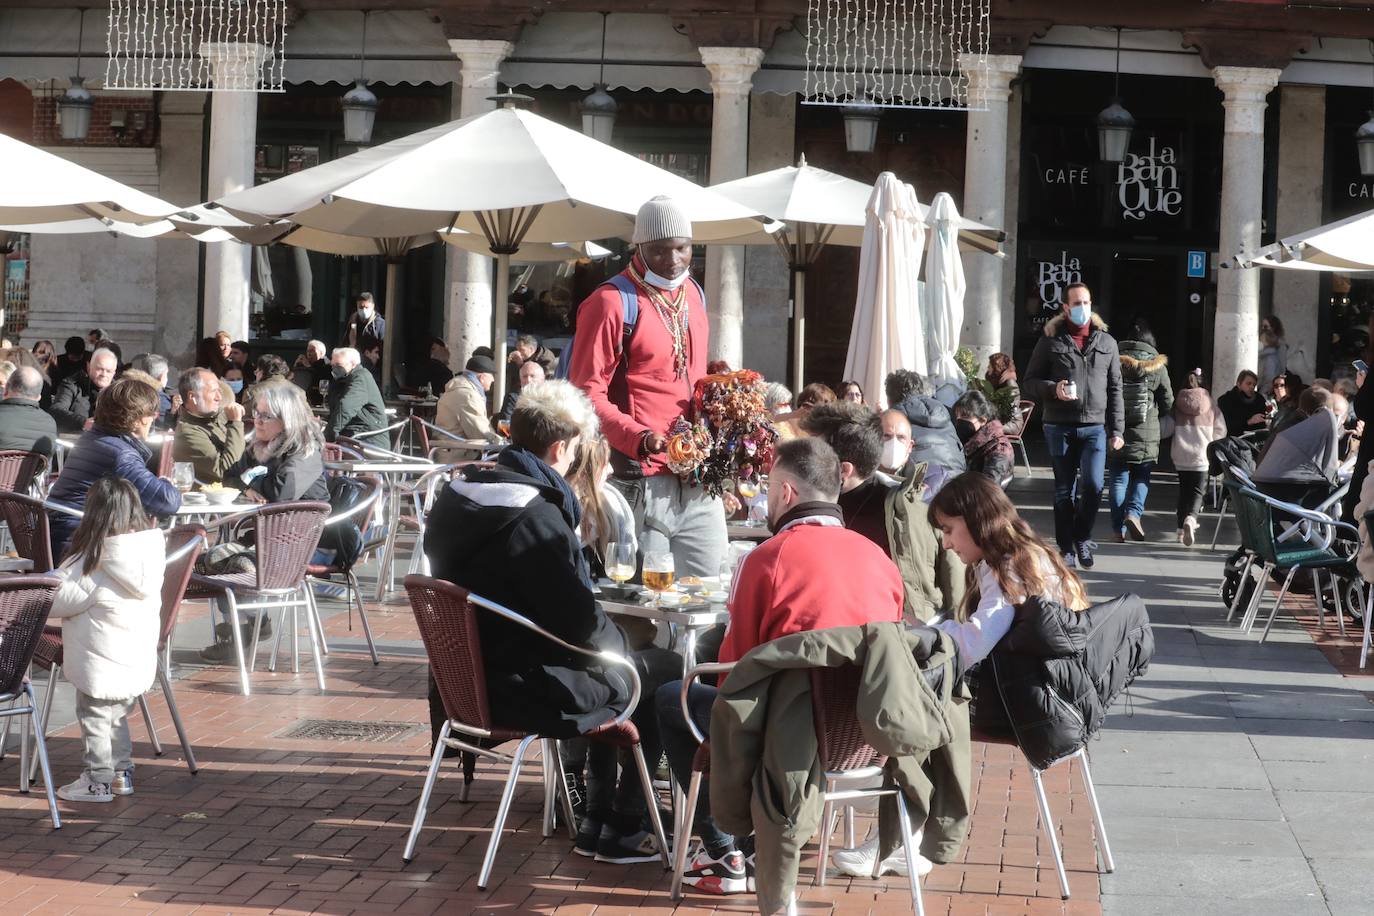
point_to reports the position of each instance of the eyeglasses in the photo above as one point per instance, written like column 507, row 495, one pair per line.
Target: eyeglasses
column 264, row 415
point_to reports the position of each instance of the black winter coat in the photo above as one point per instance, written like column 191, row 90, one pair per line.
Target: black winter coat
column 1145, row 394
column 24, row 426
column 503, row 535
column 933, row 439
column 1049, row 682
column 1096, row 368
column 72, row 402
column 355, row 406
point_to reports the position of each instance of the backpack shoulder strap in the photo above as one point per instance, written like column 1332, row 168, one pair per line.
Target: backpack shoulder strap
column 629, row 310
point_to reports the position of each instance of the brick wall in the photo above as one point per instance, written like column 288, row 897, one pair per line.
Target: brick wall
column 47, row 133
column 16, row 110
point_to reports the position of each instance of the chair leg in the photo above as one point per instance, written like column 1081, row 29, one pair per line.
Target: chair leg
column 255, row 621
column 24, row 778
column 295, row 636
column 175, row 713
column 1247, row 622
column 238, row 640
column 1318, row 597
column 356, row 593
column 54, row 678
column 42, row 747
column 312, row 624
column 319, row 622
column 1337, row 602
column 5, row 734
column 1240, row 587
column 547, row 751
column 849, row 838
column 904, row 817
column 646, row 782
column 1368, row 609
column 827, row 826
column 148, row 721
column 1221, row 516
column 276, row 647
column 683, row 838
column 1274, row 611
column 1048, row 821
column 564, row 792
column 1102, row 843
column 435, row 759
column 507, row 794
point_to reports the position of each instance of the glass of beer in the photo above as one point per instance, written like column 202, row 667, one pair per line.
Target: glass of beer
column 503, row 427
column 620, row 562
column 658, row 574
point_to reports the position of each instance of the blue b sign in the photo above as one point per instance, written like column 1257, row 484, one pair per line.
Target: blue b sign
column 1197, row 265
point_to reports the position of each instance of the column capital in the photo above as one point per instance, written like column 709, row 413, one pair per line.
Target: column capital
column 1246, row 84
column 480, row 55
column 235, row 65
column 732, row 69
column 990, row 75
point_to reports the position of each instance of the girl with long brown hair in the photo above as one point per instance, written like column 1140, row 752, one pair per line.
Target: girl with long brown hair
column 1007, row 562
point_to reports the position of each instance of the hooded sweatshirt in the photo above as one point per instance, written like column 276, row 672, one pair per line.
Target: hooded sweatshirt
column 1197, row 423
column 933, row 439
column 112, row 616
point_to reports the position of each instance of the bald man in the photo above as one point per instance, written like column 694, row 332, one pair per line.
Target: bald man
column 23, row 424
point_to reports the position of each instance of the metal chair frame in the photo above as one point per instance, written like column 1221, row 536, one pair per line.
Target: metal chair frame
column 366, row 507
column 554, row 777
column 1024, row 408
column 420, row 493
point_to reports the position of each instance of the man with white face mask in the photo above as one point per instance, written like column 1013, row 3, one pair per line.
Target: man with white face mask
column 366, row 328
column 639, row 349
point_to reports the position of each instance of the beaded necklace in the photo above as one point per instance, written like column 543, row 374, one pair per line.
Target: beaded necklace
column 673, row 314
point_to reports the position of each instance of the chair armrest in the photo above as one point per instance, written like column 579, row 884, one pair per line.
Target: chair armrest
column 63, row 508
column 364, row 505
column 184, row 549
column 690, row 678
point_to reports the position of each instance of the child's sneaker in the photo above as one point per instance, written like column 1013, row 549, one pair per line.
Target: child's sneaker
column 86, row 790
column 123, row 782
column 728, row 874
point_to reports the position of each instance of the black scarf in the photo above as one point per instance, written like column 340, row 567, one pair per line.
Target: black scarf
column 523, row 461
column 804, row 509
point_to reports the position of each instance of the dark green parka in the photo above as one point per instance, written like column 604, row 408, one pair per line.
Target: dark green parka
column 1145, row 394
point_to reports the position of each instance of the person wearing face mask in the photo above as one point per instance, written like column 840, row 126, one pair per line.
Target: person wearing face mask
column 233, row 377
column 896, row 447
column 355, row 403
column 209, row 433
column 639, row 350
column 366, row 327
column 1075, row 374
column 987, row 450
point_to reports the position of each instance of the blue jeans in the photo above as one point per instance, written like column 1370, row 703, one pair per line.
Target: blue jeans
column 1078, row 455
column 1128, row 484
column 681, row 747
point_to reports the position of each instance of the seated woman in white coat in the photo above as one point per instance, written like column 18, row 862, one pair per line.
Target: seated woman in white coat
column 110, row 607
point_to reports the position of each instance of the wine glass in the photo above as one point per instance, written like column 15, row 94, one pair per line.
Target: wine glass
column 658, row 574
column 758, row 510
column 620, row 562
column 183, row 475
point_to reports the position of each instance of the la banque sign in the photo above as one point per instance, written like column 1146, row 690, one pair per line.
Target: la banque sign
column 1146, row 183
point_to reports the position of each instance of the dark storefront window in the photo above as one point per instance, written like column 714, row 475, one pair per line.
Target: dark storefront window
column 1131, row 231
column 1346, row 300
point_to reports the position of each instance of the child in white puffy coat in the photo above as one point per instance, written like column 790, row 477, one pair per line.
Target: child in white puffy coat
column 110, row 608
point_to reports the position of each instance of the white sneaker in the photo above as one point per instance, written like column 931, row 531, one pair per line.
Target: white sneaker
column 858, row 862
column 85, row 790
column 1189, row 531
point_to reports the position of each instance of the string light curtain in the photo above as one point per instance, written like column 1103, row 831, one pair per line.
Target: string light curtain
column 156, row 44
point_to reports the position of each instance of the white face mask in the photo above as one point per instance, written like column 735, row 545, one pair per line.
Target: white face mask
column 662, row 282
column 365, row 312
column 895, row 453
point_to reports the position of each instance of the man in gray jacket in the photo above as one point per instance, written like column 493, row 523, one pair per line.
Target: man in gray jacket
column 23, row 424
column 1075, row 374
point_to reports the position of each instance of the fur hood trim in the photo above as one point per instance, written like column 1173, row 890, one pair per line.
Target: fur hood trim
column 1056, row 324
column 1141, row 367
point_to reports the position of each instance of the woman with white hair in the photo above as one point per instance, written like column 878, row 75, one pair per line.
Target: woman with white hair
column 510, row 533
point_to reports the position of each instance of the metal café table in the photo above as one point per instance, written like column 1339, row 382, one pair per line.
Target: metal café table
column 392, row 474
column 686, row 622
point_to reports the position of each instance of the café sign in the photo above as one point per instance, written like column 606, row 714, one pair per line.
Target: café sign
column 1054, row 277
column 1149, row 183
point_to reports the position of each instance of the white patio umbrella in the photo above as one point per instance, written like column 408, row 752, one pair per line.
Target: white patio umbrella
column 1345, row 245
column 530, row 252
column 886, row 334
column 41, row 187
column 507, row 175
column 942, row 307
column 819, row 208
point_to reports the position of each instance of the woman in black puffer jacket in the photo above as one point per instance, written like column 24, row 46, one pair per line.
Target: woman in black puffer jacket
column 1145, row 396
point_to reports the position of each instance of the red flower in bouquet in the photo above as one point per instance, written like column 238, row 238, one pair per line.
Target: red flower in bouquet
column 730, row 435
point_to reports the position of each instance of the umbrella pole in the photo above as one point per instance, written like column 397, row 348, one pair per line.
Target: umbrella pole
column 393, row 267
column 798, row 326
column 500, row 294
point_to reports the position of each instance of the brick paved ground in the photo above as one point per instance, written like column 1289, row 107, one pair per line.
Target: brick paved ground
column 274, row 824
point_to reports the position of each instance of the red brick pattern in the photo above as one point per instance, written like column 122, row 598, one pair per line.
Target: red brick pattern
column 47, row 133
column 272, row 824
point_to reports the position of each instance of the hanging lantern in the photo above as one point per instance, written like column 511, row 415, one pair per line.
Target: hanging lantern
column 599, row 109
column 359, row 113
column 860, row 127
column 74, row 110
column 1114, row 126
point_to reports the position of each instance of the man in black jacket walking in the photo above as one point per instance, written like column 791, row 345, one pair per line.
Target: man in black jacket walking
column 1075, row 374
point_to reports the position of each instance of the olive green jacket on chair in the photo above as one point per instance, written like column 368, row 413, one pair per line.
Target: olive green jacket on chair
column 932, row 575
column 766, row 772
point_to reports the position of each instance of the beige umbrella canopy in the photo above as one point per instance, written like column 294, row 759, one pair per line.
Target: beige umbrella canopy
column 819, row 208
column 42, row 188
column 1346, row 245
column 507, row 175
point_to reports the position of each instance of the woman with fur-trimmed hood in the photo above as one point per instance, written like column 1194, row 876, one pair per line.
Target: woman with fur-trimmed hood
column 1145, row 395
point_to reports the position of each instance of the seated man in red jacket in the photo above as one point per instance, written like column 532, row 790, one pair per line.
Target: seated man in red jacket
column 812, row 574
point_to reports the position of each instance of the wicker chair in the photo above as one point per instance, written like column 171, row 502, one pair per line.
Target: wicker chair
column 845, row 757
column 24, row 605
column 1047, row 819
column 27, row 521
column 447, row 619
column 184, row 545
column 20, row 471
column 364, row 512
column 286, row 535
column 1024, row 409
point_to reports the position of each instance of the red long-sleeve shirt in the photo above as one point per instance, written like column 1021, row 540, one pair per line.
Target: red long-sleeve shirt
column 652, row 396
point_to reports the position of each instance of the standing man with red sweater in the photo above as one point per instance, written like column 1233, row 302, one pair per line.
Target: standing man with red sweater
column 640, row 377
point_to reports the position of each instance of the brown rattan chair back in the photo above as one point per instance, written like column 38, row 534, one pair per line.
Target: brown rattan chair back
column 834, row 705
column 178, row 574
column 165, row 458
column 420, row 435
column 1024, row 409
column 19, row 469
column 28, row 524
column 24, row 605
column 287, row 535
column 448, row 627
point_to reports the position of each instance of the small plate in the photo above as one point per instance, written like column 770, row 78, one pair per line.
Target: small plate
column 193, row 499
column 714, row 595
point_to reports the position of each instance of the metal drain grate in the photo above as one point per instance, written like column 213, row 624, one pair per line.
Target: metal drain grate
column 341, row 730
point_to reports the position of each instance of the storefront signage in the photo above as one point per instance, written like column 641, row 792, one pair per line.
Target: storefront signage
column 1360, row 190
column 1073, row 175
column 1149, row 183
column 1054, row 277
column 1197, row 265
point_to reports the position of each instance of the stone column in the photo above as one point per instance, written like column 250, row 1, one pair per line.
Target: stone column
column 181, row 125
column 1302, row 129
column 467, row 319
column 233, row 135
column 772, row 139
column 732, row 73
column 1235, row 339
column 986, row 308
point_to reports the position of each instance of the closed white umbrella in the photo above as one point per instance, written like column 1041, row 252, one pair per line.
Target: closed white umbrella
column 942, row 306
column 886, row 334
column 40, row 187
column 507, row 175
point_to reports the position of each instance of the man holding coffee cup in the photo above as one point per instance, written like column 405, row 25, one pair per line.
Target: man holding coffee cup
column 1075, row 374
